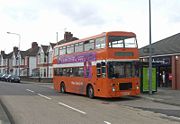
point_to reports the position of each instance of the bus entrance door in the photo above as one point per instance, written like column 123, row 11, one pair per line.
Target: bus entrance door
column 101, row 77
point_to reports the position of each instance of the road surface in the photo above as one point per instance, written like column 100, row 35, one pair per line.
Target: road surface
column 31, row 103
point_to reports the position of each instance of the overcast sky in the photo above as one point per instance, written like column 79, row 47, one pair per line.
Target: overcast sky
column 39, row 20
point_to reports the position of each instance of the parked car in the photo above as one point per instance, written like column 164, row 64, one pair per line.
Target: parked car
column 3, row 77
column 8, row 78
column 15, row 78
column 1, row 74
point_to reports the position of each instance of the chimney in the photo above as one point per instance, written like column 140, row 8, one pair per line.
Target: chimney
column 2, row 52
column 68, row 36
column 15, row 49
column 34, row 45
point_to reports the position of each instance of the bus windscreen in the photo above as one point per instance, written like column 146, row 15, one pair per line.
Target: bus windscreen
column 122, row 42
column 122, row 70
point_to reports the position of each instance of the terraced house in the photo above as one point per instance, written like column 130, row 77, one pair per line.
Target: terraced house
column 30, row 64
column 44, row 63
column 3, row 62
column 33, row 64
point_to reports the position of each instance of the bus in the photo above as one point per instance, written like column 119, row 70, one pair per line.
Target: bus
column 104, row 65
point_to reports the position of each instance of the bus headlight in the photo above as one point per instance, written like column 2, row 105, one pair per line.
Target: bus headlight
column 137, row 87
column 113, row 89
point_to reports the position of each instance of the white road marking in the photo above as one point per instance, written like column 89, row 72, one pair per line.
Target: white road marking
column 30, row 90
column 173, row 117
column 52, row 87
column 107, row 122
column 153, row 99
column 44, row 96
column 60, row 103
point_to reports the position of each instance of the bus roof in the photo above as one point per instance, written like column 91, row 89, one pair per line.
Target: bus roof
column 112, row 33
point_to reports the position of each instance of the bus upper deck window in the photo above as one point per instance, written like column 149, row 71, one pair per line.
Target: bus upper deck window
column 79, row 47
column 88, row 45
column 100, row 43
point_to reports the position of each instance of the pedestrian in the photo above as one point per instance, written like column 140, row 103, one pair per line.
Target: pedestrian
column 160, row 80
column 163, row 78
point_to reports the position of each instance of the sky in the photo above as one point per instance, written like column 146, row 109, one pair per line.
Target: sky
column 39, row 20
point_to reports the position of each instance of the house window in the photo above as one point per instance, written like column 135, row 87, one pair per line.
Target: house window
column 44, row 59
column 50, row 72
column 44, row 72
column 22, row 62
column 56, row 52
column 39, row 58
column 50, row 57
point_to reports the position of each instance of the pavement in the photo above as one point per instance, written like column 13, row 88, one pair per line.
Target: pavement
column 164, row 95
column 3, row 116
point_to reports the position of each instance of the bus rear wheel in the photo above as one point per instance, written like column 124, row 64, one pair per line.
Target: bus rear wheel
column 90, row 92
column 62, row 88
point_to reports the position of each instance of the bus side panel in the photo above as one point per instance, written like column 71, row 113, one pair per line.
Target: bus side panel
column 56, row 83
column 75, row 85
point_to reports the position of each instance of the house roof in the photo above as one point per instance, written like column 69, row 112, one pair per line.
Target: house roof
column 64, row 41
column 44, row 47
column 9, row 55
column 32, row 51
column 52, row 44
column 169, row 45
column 3, row 54
column 23, row 53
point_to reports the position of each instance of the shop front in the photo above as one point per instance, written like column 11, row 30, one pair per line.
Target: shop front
column 166, row 59
column 163, row 66
column 167, row 70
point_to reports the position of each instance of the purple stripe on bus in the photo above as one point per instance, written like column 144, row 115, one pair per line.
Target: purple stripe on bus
column 77, row 58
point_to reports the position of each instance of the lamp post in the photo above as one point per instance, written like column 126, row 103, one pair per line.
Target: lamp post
column 19, row 36
column 150, row 52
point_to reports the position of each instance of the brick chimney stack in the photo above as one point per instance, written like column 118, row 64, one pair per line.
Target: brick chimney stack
column 68, row 36
column 15, row 49
column 2, row 52
column 34, row 45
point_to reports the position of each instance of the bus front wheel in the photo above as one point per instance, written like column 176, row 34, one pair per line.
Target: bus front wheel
column 62, row 88
column 90, row 92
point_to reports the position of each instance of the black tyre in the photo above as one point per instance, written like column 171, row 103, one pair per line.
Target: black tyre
column 90, row 92
column 62, row 88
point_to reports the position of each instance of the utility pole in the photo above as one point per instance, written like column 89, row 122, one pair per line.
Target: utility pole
column 19, row 36
column 150, row 52
column 57, row 37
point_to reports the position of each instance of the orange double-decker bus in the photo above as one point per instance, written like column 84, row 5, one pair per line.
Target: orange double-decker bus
column 103, row 65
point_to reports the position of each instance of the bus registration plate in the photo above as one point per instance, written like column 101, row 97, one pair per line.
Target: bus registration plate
column 125, row 93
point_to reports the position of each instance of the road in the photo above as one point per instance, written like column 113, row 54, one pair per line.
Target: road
column 30, row 103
